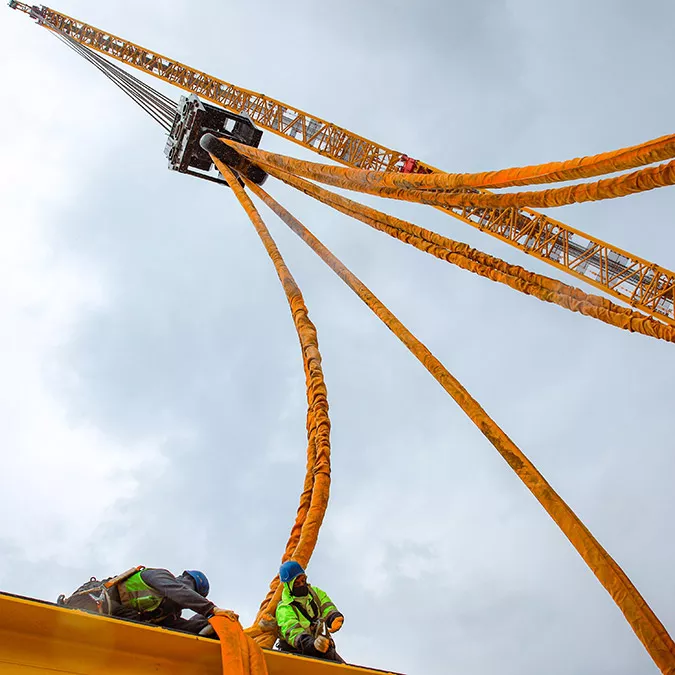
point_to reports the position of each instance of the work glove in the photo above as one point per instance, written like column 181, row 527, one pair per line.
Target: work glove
column 268, row 624
column 304, row 643
column 217, row 611
column 321, row 644
column 336, row 624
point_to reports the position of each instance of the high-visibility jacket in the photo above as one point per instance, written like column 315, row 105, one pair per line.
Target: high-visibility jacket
column 292, row 621
column 135, row 593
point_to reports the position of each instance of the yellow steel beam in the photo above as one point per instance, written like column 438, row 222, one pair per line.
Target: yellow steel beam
column 38, row 638
column 623, row 275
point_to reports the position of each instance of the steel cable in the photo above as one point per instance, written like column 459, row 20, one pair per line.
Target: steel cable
column 161, row 108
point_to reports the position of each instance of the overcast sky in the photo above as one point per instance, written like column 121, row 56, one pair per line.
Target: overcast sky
column 152, row 400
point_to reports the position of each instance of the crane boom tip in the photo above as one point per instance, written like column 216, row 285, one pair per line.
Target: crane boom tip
column 33, row 11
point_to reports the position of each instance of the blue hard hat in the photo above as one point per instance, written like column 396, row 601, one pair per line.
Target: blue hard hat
column 289, row 570
column 202, row 585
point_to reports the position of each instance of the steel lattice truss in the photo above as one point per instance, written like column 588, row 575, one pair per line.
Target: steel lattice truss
column 642, row 284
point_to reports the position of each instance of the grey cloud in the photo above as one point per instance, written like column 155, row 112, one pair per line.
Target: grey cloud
column 195, row 346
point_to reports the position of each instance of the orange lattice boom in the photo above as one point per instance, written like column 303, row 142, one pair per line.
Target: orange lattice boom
column 628, row 277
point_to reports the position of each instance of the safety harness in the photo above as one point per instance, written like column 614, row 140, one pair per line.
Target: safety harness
column 317, row 624
column 94, row 595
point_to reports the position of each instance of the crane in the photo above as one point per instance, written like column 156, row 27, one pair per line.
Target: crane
column 625, row 276
column 230, row 143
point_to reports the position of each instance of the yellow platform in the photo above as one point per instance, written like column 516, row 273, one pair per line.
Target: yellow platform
column 39, row 637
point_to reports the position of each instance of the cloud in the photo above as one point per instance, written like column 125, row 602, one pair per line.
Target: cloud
column 153, row 402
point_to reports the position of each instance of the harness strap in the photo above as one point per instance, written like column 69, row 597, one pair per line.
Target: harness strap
column 316, row 623
column 300, row 608
column 113, row 581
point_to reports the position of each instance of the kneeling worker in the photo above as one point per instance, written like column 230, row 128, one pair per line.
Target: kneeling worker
column 156, row 596
column 150, row 595
column 305, row 615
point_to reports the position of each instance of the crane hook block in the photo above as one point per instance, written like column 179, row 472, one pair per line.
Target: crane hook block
column 196, row 120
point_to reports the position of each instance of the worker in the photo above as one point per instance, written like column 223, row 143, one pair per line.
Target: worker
column 156, row 596
column 306, row 616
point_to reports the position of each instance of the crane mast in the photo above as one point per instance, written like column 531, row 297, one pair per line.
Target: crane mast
column 623, row 275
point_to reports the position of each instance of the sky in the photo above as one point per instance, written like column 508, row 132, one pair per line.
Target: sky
column 152, row 404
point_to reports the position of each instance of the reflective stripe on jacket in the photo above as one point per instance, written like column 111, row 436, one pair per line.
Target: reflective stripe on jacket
column 135, row 593
column 290, row 619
